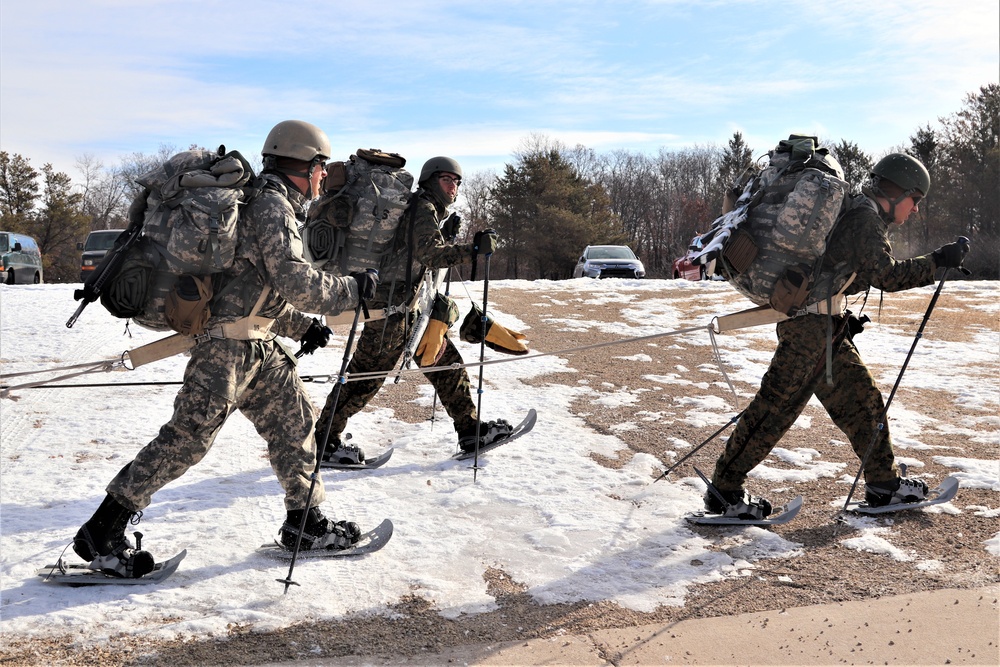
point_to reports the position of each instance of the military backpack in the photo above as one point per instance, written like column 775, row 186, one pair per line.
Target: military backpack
column 770, row 246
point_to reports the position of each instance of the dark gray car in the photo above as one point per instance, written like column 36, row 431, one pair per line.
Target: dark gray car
column 97, row 245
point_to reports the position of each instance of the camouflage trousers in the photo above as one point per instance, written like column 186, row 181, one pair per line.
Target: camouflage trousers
column 379, row 348
column 258, row 379
column 797, row 372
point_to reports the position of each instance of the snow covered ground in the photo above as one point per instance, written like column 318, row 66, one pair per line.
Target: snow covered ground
column 544, row 511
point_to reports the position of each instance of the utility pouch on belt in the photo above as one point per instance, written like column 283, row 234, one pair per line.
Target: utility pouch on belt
column 187, row 308
column 790, row 291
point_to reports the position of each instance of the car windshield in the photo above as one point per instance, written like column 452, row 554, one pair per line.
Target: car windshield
column 611, row 252
column 101, row 241
column 3, row 243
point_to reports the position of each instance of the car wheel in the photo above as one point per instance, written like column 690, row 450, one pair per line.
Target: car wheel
column 38, row 278
column 702, row 274
column 10, row 276
column 676, row 276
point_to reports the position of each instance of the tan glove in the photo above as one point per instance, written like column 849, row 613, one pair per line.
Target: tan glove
column 432, row 343
column 498, row 337
column 444, row 313
column 502, row 339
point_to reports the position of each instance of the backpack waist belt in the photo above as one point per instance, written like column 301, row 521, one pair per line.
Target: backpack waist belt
column 251, row 327
column 835, row 306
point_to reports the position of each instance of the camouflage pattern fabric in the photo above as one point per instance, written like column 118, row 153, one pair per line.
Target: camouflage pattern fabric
column 854, row 402
column 430, row 250
column 381, row 343
column 270, row 243
column 258, row 379
column 379, row 348
column 352, row 227
column 255, row 377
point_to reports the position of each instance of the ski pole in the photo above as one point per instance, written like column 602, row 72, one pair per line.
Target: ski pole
column 880, row 426
column 447, row 292
column 482, row 357
column 709, row 439
column 321, row 450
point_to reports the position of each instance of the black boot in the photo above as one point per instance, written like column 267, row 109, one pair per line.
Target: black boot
column 102, row 542
column 319, row 533
column 489, row 432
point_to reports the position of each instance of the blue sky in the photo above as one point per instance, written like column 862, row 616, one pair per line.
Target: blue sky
column 474, row 80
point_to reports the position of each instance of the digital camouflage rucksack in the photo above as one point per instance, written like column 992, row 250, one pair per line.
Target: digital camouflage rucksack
column 352, row 226
column 771, row 245
column 189, row 211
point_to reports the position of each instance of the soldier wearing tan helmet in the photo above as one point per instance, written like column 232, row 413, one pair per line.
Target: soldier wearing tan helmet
column 234, row 367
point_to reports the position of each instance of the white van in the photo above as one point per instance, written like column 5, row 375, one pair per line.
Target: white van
column 20, row 259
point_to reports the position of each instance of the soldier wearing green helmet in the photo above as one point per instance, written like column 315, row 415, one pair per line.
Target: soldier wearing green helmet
column 859, row 250
column 426, row 240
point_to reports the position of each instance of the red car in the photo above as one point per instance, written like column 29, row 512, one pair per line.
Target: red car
column 684, row 268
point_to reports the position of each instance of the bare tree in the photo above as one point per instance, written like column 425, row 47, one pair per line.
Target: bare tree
column 104, row 191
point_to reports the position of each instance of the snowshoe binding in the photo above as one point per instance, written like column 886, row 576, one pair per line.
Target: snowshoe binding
column 489, row 432
column 900, row 490
column 736, row 503
column 320, row 532
column 102, row 542
column 340, row 452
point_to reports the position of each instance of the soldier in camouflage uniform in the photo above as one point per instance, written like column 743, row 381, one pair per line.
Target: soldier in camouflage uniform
column 228, row 372
column 381, row 344
column 860, row 243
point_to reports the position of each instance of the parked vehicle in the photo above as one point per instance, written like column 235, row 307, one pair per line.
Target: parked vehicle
column 608, row 261
column 685, row 268
column 20, row 259
column 94, row 249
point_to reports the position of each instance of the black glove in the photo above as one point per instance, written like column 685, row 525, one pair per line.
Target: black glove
column 951, row 255
column 449, row 230
column 315, row 337
column 485, row 242
column 367, row 282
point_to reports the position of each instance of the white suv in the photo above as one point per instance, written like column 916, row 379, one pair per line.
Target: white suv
column 609, row 261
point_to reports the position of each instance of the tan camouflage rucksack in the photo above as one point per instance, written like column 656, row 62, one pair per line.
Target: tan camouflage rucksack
column 352, row 226
column 771, row 245
column 189, row 222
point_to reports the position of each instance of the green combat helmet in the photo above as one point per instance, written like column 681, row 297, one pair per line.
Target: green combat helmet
column 438, row 164
column 905, row 171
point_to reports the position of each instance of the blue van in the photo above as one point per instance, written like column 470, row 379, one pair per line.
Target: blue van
column 20, row 259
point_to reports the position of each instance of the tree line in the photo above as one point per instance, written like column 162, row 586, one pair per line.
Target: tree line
column 551, row 200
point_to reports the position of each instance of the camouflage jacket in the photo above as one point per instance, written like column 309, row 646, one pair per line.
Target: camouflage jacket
column 270, row 253
column 430, row 250
column 860, row 243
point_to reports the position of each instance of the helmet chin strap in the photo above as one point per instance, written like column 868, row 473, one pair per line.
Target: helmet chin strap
column 873, row 190
column 270, row 165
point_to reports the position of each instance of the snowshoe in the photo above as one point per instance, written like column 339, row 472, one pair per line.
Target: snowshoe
column 102, row 542
column 320, row 532
column 489, row 432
